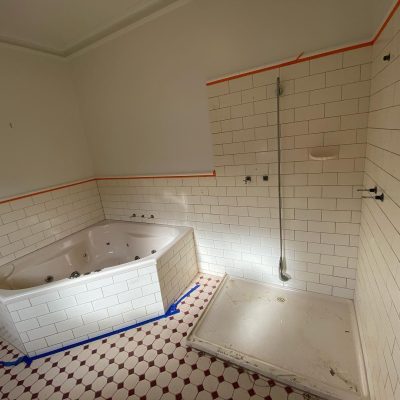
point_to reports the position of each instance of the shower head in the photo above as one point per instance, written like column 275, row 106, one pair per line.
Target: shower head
column 283, row 275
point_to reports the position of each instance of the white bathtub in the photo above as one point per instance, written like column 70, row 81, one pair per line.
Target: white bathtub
column 105, row 277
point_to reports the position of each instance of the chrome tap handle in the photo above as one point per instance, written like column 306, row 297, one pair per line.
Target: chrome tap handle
column 371, row 190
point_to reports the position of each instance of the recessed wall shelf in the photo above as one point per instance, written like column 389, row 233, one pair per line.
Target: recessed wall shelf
column 324, row 153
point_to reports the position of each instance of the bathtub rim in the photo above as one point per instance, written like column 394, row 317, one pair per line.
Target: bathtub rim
column 11, row 295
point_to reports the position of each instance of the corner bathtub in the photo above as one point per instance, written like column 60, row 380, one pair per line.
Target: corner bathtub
column 105, row 277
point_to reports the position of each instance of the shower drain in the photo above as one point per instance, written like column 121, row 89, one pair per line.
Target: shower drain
column 281, row 299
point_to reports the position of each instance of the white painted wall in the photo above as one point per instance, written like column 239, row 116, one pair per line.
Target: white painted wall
column 144, row 101
column 143, row 94
column 46, row 145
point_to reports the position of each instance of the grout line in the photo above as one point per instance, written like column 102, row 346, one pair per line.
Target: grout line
column 381, row 232
column 383, row 149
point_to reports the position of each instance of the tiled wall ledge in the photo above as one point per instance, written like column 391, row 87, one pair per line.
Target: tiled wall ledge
column 325, row 103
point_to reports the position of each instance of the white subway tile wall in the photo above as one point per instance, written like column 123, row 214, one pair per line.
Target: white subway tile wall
column 378, row 283
column 324, row 103
column 31, row 223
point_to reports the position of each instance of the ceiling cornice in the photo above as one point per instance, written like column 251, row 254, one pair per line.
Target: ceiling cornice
column 123, row 26
column 107, row 33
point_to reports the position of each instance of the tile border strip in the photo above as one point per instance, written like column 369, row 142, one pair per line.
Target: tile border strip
column 104, row 178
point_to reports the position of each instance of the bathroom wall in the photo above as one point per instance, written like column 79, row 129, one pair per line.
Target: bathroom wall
column 142, row 92
column 378, row 283
column 36, row 221
column 140, row 97
column 42, row 144
column 136, row 123
column 324, row 103
column 42, row 139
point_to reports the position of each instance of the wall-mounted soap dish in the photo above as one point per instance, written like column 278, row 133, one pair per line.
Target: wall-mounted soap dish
column 324, row 153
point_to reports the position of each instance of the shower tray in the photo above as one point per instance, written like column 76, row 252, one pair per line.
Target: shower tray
column 307, row 340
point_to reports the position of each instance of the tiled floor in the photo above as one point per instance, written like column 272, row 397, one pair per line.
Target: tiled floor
column 151, row 362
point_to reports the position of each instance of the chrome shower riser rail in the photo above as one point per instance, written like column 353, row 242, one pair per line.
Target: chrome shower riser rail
column 283, row 276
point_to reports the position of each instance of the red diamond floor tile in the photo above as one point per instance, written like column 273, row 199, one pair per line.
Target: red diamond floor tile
column 151, row 362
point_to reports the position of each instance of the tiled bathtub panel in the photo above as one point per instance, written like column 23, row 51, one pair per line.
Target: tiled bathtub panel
column 7, row 329
column 177, row 268
column 62, row 316
column 29, row 224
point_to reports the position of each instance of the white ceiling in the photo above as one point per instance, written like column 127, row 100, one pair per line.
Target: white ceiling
column 65, row 26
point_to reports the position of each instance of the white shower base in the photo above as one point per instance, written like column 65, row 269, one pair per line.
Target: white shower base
column 309, row 341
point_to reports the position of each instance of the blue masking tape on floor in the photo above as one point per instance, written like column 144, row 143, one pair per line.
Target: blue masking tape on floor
column 172, row 310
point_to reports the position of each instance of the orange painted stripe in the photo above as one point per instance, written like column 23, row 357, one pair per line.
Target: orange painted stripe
column 205, row 175
column 24, row 196
column 300, row 59
column 297, row 60
column 52, row 189
column 389, row 17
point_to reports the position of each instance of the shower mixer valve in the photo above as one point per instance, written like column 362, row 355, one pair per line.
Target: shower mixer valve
column 371, row 190
column 380, row 197
column 374, row 190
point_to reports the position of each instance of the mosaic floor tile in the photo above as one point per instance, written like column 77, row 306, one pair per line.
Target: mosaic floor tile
column 151, row 362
